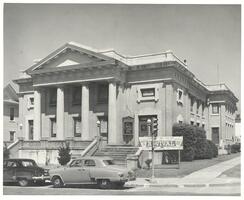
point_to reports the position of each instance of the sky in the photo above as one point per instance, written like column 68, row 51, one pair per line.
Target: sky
column 207, row 36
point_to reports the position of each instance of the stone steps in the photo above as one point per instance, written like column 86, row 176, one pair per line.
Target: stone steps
column 118, row 153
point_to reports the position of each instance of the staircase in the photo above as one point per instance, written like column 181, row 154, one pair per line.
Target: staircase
column 118, row 153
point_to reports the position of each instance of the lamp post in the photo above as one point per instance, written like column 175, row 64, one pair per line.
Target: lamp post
column 149, row 125
column 98, row 132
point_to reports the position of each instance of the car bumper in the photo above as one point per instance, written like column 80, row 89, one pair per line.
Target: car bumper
column 41, row 178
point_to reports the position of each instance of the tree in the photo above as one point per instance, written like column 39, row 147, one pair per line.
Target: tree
column 64, row 154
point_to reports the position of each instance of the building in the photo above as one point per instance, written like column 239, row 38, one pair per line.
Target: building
column 64, row 96
column 10, row 114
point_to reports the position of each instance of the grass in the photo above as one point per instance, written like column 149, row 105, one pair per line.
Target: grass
column 234, row 172
column 185, row 167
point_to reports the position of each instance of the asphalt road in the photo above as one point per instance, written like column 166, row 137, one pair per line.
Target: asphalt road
column 93, row 190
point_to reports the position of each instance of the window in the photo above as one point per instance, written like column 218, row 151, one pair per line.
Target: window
column 31, row 129
column 102, row 93
column 28, row 163
column 76, row 96
column 179, row 96
column 148, row 92
column 198, row 124
column 11, row 114
column 192, row 123
column 11, row 164
column 77, row 126
column 203, row 126
column 192, row 104
column 53, row 97
column 53, row 127
column 89, row 163
column 215, row 108
column 30, row 103
column 76, row 163
column 11, row 136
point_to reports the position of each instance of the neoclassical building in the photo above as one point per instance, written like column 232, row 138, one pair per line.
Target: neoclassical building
column 77, row 93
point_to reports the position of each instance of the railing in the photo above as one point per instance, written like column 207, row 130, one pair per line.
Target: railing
column 45, row 144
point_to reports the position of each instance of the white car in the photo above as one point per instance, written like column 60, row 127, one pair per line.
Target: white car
column 92, row 170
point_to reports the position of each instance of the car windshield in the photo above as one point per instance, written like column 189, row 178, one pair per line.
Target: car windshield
column 108, row 162
column 28, row 163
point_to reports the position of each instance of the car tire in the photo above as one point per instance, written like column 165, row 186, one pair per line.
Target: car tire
column 104, row 183
column 23, row 182
column 57, row 182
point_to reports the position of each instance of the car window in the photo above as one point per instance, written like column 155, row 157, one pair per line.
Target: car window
column 108, row 162
column 76, row 163
column 89, row 163
column 11, row 164
column 27, row 163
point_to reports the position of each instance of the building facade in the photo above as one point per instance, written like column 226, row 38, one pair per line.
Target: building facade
column 64, row 96
column 10, row 114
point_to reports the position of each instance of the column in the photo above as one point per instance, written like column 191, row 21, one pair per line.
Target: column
column 85, row 112
column 112, row 114
column 60, row 113
column 168, row 109
column 37, row 115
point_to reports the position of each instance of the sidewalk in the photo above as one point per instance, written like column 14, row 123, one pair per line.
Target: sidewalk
column 207, row 177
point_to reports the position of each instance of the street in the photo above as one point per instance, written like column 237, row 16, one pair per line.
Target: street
column 230, row 190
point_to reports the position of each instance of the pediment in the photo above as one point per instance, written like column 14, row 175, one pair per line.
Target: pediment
column 68, row 55
column 68, row 58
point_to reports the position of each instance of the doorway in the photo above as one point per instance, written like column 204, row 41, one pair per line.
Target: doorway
column 215, row 135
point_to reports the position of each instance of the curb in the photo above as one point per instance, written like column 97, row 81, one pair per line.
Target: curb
column 184, row 185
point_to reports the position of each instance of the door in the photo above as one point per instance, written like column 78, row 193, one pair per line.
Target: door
column 31, row 129
column 215, row 135
column 9, row 169
column 143, row 130
column 76, row 173
column 103, row 129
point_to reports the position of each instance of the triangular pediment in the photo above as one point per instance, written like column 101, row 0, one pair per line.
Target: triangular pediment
column 68, row 62
column 69, row 55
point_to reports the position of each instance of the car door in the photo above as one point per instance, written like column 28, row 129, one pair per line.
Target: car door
column 76, row 173
column 9, row 171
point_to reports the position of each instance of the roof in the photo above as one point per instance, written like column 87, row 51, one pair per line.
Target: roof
column 109, row 56
column 10, row 95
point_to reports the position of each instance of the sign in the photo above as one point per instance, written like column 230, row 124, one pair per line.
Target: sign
column 162, row 143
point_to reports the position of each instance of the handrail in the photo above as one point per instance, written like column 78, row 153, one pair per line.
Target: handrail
column 13, row 144
column 90, row 146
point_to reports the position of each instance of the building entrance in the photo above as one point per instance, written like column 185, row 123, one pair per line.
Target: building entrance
column 143, row 132
column 215, row 135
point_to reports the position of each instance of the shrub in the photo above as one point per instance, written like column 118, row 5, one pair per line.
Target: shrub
column 189, row 140
column 214, row 148
column 208, row 154
column 201, row 147
column 236, row 148
column 64, row 154
column 148, row 162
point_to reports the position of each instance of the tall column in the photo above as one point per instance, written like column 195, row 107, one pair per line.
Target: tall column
column 37, row 115
column 85, row 112
column 112, row 114
column 168, row 109
column 60, row 113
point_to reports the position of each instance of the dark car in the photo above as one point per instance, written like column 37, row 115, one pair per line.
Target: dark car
column 24, row 172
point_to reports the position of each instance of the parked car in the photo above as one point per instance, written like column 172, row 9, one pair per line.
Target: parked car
column 92, row 170
column 24, row 172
